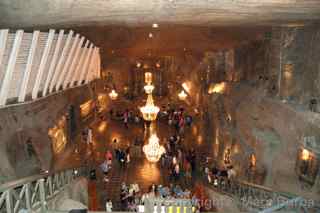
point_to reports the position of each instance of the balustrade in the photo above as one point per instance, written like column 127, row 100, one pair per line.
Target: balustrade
column 33, row 193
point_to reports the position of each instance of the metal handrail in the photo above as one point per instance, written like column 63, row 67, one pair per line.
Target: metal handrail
column 33, row 193
column 257, row 198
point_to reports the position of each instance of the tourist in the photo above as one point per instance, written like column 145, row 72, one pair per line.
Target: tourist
column 125, row 118
column 122, row 158
column 176, row 172
column 231, row 173
column 189, row 120
column 108, row 206
column 105, row 169
column 108, row 155
column 89, row 136
column 128, row 158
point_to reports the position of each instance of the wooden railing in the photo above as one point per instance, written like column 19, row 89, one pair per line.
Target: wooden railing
column 33, row 193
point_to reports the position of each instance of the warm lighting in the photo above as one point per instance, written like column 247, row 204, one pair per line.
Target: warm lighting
column 113, row 95
column 182, row 95
column 102, row 127
column 86, row 108
column 148, row 88
column 155, row 25
column 149, row 111
column 253, row 160
column 148, row 77
column 150, row 35
column 158, row 65
column 57, row 135
column 138, row 64
column 153, row 150
column 102, row 102
column 217, row 88
column 199, row 139
column 305, row 155
column 227, row 156
column 186, row 87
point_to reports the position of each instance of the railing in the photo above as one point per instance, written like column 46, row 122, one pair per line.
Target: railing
column 33, row 193
column 256, row 198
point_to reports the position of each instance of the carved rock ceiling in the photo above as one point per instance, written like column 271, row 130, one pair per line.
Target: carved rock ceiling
column 123, row 25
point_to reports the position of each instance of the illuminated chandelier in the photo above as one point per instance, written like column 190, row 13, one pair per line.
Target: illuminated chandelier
column 182, row 95
column 153, row 150
column 149, row 111
column 148, row 88
column 113, row 95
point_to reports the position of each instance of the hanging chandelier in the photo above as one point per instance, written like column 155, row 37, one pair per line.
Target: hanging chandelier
column 148, row 77
column 149, row 111
column 148, row 88
column 182, row 95
column 113, row 95
column 153, row 150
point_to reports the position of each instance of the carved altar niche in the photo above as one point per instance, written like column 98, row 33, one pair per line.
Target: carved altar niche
column 307, row 164
column 58, row 135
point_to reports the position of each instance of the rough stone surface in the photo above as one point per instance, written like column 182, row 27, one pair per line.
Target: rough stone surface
column 128, row 12
column 21, row 122
column 74, row 196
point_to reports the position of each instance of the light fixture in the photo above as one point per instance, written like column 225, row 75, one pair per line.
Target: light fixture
column 217, row 88
column 153, row 150
column 149, row 111
column 148, row 88
column 113, row 95
column 155, row 25
column 182, row 95
column 253, row 160
column 150, row 35
column 186, row 87
column 138, row 64
column 148, row 77
column 158, row 65
column 305, row 155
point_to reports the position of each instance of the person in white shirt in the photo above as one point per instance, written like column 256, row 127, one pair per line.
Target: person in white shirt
column 108, row 206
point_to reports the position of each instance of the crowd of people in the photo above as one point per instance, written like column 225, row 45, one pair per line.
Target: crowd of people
column 131, row 196
column 219, row 176
column 178, row 118
column 179, row 161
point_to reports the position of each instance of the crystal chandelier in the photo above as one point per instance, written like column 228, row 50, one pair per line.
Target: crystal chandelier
column 148, row 77
column 113, row 95
column 148, row 88
column 149, row 111
column 182, row 95
column 153, row 150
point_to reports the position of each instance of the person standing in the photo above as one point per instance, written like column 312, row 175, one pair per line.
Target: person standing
column 89, row 136
column 108, row 206
column 126, row 118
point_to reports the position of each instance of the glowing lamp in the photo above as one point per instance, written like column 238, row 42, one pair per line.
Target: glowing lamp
column 182, row 95
column 149, row 111
column 148, row 88
column 113, row 95
column 305, row 155
column 153, row 150
column 148, row 77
